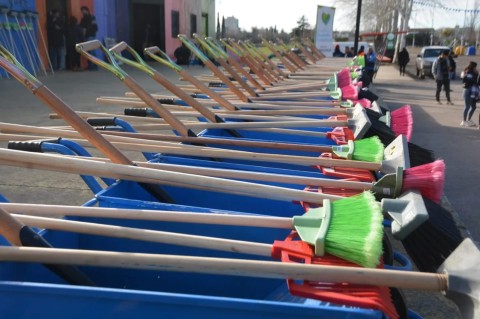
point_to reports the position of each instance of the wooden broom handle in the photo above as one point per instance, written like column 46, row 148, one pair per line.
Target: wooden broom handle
column 149, row 146
column 157, row 107
column 151, row 215
column 81, row 126
column 154, row 176
column 224, row 266
column 171, row 238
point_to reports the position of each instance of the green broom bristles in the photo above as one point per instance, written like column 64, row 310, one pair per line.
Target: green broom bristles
column 356, row 230
column 368, row 150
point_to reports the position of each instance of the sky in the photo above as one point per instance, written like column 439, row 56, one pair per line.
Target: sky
column 285, row 13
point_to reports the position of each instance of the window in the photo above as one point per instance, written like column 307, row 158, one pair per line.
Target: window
column 193, row 23
column 175, row 23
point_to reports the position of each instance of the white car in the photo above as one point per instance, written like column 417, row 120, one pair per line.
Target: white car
column 426, row 58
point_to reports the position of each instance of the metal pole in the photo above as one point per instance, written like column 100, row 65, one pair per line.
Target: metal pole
column 357, row 27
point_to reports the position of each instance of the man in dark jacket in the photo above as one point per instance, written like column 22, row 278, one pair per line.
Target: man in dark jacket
column 403, row 59
column 90, row 28
column 440, row 71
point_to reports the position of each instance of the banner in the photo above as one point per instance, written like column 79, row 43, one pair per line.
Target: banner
column 324, row 30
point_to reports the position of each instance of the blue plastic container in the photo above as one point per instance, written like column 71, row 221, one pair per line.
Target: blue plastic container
column 28, row 290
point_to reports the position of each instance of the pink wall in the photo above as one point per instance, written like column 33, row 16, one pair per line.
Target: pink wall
column 171, row 43
column 185, row 7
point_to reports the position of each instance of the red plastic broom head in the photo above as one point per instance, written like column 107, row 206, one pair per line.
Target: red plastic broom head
column 402, row 121
column 344, row 78
column 428, row 179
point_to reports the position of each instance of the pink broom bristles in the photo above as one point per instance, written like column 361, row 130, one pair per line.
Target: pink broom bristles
column 349, row 92
column 344, row 78
column 366, row 103
column 402, row 121
column 428, row 179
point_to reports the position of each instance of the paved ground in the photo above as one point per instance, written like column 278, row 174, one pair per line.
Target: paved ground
column 436, row 127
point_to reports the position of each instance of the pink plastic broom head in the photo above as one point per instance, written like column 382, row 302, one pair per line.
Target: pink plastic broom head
column 366, row 103
column 402, row 121
column 344, row 78
column 349, row 92
column 428, row 179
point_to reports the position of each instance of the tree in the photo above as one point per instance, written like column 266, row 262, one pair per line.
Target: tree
column 303, row 27
column 471, row 24
column 218, row 26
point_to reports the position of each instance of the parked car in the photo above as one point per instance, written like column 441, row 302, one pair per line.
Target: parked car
column 426, row 58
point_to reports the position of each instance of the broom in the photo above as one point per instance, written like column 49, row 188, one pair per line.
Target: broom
column 344, row 77
column 350, row 229
column 402, row 121
column 427, row 179
column 349, row 92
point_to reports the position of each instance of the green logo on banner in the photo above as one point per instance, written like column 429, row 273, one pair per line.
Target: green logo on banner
column 325, row 17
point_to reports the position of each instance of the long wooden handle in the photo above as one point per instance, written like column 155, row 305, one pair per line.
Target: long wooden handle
column 157, row 107
column 251, row 125
column 151, row 215
column 277, row 105
column 60, row 107
column 204, row 242
column 224, row 266
column 180, row 149
column 206, row 90
column 155, row 176
column 226, row 173
column 206, row 141
column 184, row 96
column 225, row 80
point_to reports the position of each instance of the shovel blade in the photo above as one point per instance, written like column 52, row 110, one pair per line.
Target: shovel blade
column 463, row 269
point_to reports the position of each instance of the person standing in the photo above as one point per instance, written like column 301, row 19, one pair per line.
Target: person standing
column 75, row 35
column 182, row 54
column 348, row 52
column 403, row 59
column 471, row 92
column 90, row 28
column 337, row 53
column 453, row 67
column 370, row 61
column 440, row 71
column 55, row 33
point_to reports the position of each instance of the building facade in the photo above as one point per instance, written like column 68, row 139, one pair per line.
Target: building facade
column 140, row 23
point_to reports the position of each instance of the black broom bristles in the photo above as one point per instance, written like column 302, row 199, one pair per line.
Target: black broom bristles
column 432, row 242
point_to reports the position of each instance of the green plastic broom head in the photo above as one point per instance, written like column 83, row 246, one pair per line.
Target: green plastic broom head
column 396, row 155
column 336, row 94
column 389, row 186
column 349, row 228
column 344, row 151
column 359, row 122
column 333, row 83
column 368, row 150
column 462, row 268
column 408, row 213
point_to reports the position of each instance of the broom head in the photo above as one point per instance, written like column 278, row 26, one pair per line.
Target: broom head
column 402, row 121
column 344, row 78
column 349, row 228
column 349, row 92
column 428, row 179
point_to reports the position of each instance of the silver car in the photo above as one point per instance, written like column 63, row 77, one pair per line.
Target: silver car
column 426, row 58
